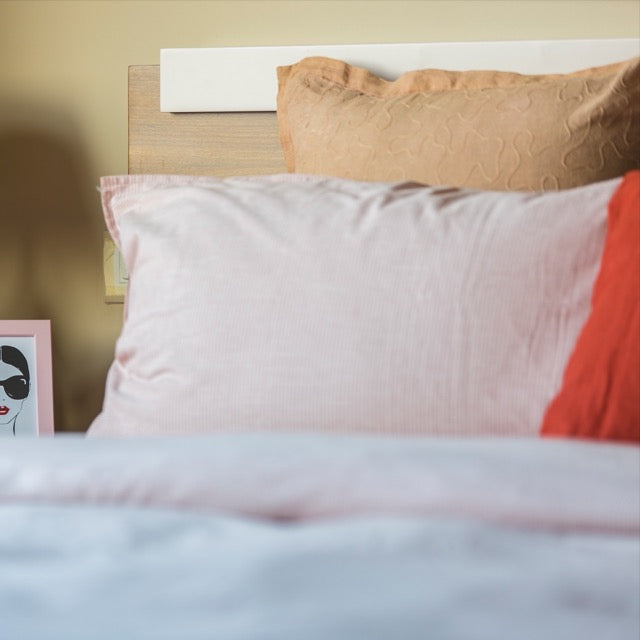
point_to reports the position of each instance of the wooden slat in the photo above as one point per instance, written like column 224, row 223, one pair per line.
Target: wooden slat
column 220, row 144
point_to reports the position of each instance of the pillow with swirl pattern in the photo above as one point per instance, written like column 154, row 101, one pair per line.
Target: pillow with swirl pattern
column 481, row 129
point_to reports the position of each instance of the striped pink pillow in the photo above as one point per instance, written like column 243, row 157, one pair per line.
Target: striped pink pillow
column 310, row 303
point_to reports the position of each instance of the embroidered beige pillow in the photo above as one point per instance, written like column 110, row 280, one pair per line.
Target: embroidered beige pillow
column 480, row 129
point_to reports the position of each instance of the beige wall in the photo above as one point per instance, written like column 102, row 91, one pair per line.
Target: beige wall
column 63, row 124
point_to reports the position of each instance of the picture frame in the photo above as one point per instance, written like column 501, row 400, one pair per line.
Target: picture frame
column 26, row 380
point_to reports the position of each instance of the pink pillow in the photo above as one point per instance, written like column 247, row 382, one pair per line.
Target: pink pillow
column 310, row 303
column 600, row 396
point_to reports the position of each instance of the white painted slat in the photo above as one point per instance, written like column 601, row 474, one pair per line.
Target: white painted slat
column 244, row 78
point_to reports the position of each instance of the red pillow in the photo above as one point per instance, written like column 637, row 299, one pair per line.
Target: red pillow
column 600, row 394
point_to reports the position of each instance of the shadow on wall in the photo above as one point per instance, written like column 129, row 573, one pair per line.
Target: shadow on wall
column 51, row 262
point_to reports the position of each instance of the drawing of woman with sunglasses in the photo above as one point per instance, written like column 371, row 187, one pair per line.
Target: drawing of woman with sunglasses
column 14, row 386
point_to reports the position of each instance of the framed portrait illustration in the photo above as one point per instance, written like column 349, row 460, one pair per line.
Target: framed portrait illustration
column 26, row 382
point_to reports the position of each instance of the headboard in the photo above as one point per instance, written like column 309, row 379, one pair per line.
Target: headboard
column 222, row 144
column 226, row 96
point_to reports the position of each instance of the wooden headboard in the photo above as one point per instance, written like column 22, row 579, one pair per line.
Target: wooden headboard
column 221, row 144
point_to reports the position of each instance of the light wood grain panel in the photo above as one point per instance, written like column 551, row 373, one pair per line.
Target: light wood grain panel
column 220, row 144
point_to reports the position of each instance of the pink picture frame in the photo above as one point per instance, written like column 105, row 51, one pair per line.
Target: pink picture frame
column 26, row 379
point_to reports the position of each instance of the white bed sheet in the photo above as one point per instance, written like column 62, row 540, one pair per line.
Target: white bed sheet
column 281, row 536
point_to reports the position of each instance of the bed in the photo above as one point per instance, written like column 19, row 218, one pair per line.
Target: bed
column 378, row 376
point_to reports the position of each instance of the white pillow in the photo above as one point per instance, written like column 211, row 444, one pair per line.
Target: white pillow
column 310, row 303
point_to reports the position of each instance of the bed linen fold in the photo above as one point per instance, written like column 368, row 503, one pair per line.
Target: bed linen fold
column 528, row 482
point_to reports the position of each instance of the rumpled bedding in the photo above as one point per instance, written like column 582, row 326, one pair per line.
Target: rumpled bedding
column 311, row 536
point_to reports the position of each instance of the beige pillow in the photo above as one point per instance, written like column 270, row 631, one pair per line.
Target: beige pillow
column 481, row 129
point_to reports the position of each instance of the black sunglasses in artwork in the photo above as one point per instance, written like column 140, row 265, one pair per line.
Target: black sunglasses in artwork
column 16, row 387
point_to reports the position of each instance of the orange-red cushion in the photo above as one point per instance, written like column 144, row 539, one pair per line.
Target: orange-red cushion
column 600, row 394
